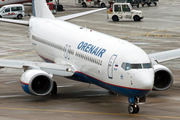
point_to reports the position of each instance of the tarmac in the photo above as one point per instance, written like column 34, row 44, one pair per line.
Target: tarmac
column 158, row 31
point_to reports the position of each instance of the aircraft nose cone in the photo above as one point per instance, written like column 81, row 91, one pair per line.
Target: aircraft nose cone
column 144, row 79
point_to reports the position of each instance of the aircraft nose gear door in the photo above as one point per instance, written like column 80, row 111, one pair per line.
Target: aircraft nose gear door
column 111, row 65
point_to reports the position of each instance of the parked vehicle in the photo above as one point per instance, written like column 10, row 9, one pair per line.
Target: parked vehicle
column 92, row 3
column 149, row 2
column 12, row 11
column 132, row 2
column 138, row 2
column 124, row 11
column 52, row 8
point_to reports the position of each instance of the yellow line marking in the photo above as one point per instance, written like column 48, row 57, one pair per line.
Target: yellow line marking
column 149, row 32
column 63, row 111
column 160, row 35
column 163, row 30
column 125, row 33
column 134, row 35
column 17, row 55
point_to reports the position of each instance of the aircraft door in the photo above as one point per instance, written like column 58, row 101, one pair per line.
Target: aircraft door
column 15, row 11
column 65, row 51
column 6, row 13
column 68, row 56
column 126, row 10
column 118, row 10
column 110, row 66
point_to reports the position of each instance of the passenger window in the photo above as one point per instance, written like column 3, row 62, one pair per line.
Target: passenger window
column 19, row 8
column 101, row 62
column 7, row 10
column 14, row 9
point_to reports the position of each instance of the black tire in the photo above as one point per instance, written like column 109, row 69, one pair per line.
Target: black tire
column 19, row 16
column 84, row 5
column 148, row 4
column 138, row 6
column 133, row 109
column 142, row 5
column 115, row 18
column 103, row 5
column 136, row 108
column 136, row 18
column 60, row 8
column 155, row 3
column 54, row 90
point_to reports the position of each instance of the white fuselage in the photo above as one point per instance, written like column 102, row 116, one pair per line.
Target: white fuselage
column 96, row 57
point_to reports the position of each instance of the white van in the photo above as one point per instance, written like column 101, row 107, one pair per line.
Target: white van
column 12, row 11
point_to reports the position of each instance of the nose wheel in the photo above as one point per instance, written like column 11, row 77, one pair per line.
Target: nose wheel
column 133, row 108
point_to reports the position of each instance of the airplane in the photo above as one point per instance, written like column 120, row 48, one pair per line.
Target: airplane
column 6, row 2
column 85, row 55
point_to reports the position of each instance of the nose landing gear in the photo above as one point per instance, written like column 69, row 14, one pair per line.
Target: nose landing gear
column 133, row 107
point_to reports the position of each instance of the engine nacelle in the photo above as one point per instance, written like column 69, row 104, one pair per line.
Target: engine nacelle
column 36, row 82
column 163, row 78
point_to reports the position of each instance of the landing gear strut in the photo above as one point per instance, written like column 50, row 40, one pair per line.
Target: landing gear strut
column 133, row 107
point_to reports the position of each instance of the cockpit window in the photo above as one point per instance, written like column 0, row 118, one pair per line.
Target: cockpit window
column 123, row 66
column 147, row 65
column 136, row 66
column 128, row 66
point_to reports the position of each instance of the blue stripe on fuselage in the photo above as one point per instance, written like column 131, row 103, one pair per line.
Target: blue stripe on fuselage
column 129, row 92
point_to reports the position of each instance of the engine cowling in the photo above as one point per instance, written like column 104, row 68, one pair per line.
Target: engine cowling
column 36, row 82
column 163, row 78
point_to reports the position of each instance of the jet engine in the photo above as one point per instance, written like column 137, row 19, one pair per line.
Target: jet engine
column 163, row 78
column 36, row 82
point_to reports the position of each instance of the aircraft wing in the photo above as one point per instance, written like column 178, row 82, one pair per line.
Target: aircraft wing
column 21, row 22
column 165, row 55
column 55, row 69
column 68, row 17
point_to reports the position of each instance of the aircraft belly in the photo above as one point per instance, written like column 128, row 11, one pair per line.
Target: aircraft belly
column 126, row 91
